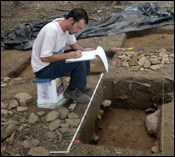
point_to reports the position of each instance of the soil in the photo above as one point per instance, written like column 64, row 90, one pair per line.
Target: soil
column 123, row 133
column 13, row 15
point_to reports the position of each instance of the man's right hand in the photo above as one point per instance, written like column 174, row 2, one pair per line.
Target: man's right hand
column 75, row 54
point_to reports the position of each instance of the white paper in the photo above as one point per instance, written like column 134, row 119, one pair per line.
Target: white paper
column 86, row 55
column 89, row 55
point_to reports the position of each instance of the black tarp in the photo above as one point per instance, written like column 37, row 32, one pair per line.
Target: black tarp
column 133, row 18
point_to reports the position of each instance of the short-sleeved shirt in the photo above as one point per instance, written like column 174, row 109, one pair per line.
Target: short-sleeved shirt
column 51, row 39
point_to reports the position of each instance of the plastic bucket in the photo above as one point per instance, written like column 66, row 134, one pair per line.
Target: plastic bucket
column 50, row 92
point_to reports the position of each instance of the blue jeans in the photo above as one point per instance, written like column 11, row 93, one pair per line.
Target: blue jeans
column 77, row 71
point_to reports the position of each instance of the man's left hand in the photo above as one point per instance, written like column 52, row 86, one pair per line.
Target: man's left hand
column 88, row 49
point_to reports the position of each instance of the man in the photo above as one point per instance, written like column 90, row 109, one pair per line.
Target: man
column 48, row 56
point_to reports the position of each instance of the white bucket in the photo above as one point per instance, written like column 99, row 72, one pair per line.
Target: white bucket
column 50, row 93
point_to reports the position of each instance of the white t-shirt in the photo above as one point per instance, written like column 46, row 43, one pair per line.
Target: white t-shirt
column 51, row 39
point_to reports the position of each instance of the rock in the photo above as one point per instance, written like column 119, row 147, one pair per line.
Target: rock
column 125, row 63
column 41, row 113
column 150, row 110
column 22, row 109
column 31, row 143
column 63, row 130
column 73, row 122
column 64, row 125
column 171, row 78
column 52, row 116
column 114, row 62
column 4, row 111
column 10, row 112
column 141, row 61
column 101, row 112
column 17, row 154
column 122, row 56
column 147, row 63
column 95, row 138
column 17, row 79
column 38, row 151
column 154, row 149
column 106, row 103
column 171, row 60
column 154, row 61
column 51, row 134
column 3, row 105
column 63, row 112
column 13, row 104
column 133, row 60
column 152, row 122
column 54, row 124
column 165, row 59
column 9, row 129
column 171, row 55
column 72, row 115
column 155, row 67
column 3, row 84
column 142, row 69
column 23, row 97
column 33, row 118
column 162, row 51
column 6, row 79
column 22, row 102
column 99, row 116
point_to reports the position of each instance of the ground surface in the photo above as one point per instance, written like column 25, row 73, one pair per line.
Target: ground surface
column 12, row 16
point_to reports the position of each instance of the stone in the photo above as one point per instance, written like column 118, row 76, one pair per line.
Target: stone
column 152, row 122
column 133, row 60
column 33, row 118
column 30, row 143
column 106, row 103
column 52, row 116
column 54, row 124
column 23, row 97
column 38, row 151
column 141, row 61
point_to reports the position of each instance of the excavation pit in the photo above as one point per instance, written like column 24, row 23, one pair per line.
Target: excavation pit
column 124, row 128
column 122, row 124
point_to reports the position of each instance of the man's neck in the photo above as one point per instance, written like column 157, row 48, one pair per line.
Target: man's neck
column 63, row 25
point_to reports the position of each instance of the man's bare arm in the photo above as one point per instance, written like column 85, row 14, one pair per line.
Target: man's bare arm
column 77, row 46
column 62, row 56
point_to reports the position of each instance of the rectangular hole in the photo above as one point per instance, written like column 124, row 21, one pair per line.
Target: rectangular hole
column 122, row 124
column 124, row 128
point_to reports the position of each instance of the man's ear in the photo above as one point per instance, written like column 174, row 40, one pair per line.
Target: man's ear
column 71, row 20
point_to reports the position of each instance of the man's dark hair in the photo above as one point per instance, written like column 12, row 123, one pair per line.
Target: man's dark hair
column 77, row 14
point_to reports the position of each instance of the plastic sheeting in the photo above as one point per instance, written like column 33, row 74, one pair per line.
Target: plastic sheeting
column 22, row 37
column 133, row 18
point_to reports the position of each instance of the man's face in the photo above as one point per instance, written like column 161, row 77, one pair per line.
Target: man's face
column 76, row 27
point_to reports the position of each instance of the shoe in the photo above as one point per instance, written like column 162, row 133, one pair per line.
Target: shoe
column 76, row 95
column 87, row 88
